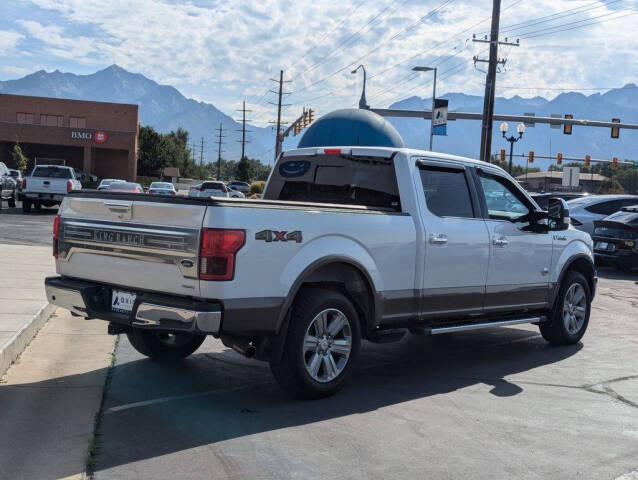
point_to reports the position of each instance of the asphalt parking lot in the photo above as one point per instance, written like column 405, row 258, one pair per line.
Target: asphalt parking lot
column 34, row 228
column 494, row 403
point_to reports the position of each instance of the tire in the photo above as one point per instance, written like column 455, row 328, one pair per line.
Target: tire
column 37, row 206
column 331, row 357
column 26, row 206
column 162, row 346
column 12, row 201
column 567, row 324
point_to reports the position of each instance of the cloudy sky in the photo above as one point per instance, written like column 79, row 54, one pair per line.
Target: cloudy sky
column 224, row 51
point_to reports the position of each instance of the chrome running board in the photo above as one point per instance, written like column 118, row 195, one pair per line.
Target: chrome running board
column 476, row 326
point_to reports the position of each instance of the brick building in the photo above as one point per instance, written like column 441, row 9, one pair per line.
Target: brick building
column 95, row 137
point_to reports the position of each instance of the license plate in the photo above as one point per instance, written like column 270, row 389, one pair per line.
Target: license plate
column 122, row 302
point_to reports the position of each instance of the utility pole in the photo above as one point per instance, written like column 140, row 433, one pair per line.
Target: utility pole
column 201, row 153
column 490, row 80
column 219, row 152
column 243, row 130
column 280, row 95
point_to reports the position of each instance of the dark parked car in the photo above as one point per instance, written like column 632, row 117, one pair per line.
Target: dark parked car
column 543, row 198
column 8, row 187
column 616, row 239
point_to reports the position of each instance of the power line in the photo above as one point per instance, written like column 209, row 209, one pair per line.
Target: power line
column 417, row 55
column 413, row 25
column 351, row 37
column 559, row 28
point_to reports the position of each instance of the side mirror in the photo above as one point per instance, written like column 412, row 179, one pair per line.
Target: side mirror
column 558, row 214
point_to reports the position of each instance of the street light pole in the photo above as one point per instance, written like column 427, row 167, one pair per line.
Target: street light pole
column 520, row 128
column 428, row 69
column 362, row 100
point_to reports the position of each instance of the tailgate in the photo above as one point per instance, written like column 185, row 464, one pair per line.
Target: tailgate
column 142, row 244
column 46, row 185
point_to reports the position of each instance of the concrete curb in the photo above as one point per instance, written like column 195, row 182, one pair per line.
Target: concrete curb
column 16, row 345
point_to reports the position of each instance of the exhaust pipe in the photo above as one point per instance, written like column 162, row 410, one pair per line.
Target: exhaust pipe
column 241, row 345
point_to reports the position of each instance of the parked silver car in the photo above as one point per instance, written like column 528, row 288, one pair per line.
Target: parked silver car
column 104, row 184
column 209, row 189
column 233, row 193
column 584, row 211
column 162, row 188
column 242, row 187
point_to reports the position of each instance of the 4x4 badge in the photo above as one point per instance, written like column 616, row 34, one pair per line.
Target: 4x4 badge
column 278, row 236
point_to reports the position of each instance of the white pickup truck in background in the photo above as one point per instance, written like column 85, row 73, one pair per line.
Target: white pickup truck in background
column 348, row 243
column 47, row 185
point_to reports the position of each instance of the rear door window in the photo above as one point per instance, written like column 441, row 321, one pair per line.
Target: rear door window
column 338, row 179
column 446, row 192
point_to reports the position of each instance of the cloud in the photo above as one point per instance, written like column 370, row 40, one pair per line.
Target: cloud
column 8, row 41
column 222, row 51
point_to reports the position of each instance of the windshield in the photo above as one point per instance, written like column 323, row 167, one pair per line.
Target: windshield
column 52, row 172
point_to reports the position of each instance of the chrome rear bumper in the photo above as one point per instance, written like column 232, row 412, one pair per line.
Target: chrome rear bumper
column 151, row 311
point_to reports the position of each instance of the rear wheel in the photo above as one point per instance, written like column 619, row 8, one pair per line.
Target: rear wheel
column 26, row 206
column 164, row 346
column 37, row 206
column 12, row 201
column 322, row 344
column 570, row 316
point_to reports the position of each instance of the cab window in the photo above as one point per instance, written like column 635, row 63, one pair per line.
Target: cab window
column 504, row 201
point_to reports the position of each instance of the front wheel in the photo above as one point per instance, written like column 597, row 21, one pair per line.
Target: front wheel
column 570, row 316
column 322, row 344
column 168, row 347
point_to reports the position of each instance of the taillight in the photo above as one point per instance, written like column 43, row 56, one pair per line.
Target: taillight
column 69, row 186
column 56, row 235
column 24, row 183
column 172, row 192
column 217, row 253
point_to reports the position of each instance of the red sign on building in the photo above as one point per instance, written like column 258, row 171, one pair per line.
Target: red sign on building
column 100, row 136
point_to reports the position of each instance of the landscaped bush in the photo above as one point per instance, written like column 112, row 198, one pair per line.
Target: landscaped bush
column 257, row 187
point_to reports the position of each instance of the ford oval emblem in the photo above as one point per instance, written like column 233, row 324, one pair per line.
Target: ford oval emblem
column 294, row 168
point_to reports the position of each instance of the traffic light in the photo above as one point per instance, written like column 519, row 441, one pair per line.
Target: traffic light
column 567, row 127
column 615, row 131
column 311, row 115
column 296, row 129
column 531, row 156
column 614, row 163
column 502, row 154
column 559, row 158
column 305, row 119
column 587, row 160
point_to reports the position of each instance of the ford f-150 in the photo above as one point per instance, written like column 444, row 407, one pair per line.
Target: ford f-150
column 347, row 244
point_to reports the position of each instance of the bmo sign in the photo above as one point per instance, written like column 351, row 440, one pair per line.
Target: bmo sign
column 99, row 136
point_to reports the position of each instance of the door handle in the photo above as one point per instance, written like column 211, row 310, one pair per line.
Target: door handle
column 438, row 238
column 499, row 241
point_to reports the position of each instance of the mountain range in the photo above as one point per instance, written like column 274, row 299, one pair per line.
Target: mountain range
column 165, row 108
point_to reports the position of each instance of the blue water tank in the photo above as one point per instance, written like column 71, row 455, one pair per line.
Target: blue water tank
column 349, row 127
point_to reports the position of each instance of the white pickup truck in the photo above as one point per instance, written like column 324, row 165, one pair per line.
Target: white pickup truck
column 348, row 244
column 48, row 185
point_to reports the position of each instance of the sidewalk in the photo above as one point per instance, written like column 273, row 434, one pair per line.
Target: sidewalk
column 23, row 304
column 49, row 399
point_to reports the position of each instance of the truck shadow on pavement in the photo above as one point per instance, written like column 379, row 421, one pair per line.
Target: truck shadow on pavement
column 153, row 410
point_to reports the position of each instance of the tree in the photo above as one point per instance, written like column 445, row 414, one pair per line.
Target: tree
column 19, row 158
column 611, row 185
column 157, row 151
column 628, row 178
column 244, row 170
